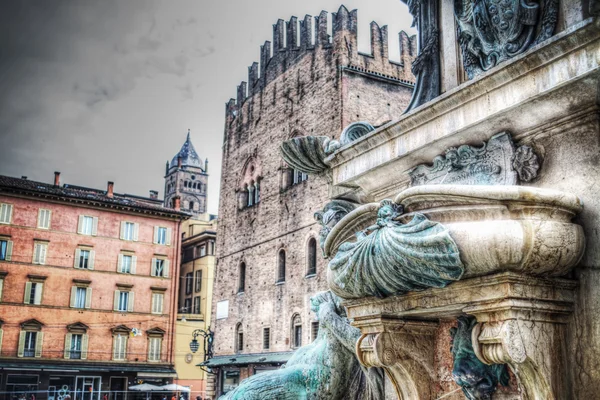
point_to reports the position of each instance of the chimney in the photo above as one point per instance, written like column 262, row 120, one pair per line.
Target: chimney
column 56, row 178
column 154, row 194
column 179, row 161
column 206, row 166
column 167, row 169
column 177, row 203
column 109, row 189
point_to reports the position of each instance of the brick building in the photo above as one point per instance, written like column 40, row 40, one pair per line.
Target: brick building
column 86, row 290
column 268, row 257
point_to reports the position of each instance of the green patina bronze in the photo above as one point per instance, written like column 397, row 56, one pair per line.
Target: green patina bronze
column 392, row 258
column 477, row 380
column 326, row 369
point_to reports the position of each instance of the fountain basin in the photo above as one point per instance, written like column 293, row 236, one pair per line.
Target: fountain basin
column 496, row 228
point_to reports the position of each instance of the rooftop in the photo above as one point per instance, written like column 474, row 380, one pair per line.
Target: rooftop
column 83, row 195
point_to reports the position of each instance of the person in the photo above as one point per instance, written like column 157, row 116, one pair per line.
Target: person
column 198, row 398
column 173, row 398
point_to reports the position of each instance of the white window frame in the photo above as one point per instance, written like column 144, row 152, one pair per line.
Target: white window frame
column 118, row 302
column 87, row 225
column 120, row 347
column 37, row 290
column 158, row 300
column 132, row 263
column 154, row 349
column 6, row 211
column 162, row 235
column 44, row 218
column 40, row 253
column 79, row 254
column 9, row 248
column 165, row 267
column 129, row 231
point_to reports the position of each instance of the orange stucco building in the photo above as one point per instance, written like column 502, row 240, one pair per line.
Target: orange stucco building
column 87, row 284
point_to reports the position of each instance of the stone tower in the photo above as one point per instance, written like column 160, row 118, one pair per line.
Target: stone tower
column 187, row 176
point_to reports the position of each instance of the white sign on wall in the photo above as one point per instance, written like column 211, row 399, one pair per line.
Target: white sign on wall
column 223, row 309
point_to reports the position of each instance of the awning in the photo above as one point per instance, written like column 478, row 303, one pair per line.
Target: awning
column 245, row 359
column 77, row 366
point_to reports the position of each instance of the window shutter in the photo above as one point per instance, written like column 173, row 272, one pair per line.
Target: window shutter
column 10, row 211
column 155, row 240
column 38, row 293
column 136, row 231
column 9, row 248
column 77, row 256
column 120, row 263
column 21, row 348
column 133, row 264
column 27, row 292
column 151, row 349
column 40, row 218
column 153, row 268
column 73, row 296
column 115, row 347
column 130, row 302
column 48, row 218
column 1, row 286
column 166, row 269
column 95, row 226
column 43, row 251
column 122, row 230
column 161, row 298
column 68, row 338
column 153, row 309
column 169, row 234
column 80, row 224
column 36, row 253
column 84, row 346
column 1, row 332
column 88, row 297
column 116, row 302
column 91, row 259
column 39, row 341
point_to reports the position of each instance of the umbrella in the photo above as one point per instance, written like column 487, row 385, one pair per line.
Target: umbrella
column 176, row 388
column 144, row 387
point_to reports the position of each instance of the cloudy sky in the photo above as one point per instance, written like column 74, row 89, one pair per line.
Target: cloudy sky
column 107, row 89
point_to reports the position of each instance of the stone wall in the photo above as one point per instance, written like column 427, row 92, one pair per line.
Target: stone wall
column 306, row 88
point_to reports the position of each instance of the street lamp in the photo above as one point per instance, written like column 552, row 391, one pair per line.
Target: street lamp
column 208, row 342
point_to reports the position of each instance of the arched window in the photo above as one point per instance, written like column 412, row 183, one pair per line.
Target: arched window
column 239, row 338
column 185, row 184
column 311, row 257
column 256, row 193
column 296, row 331
column 242, row 278
column 281, row 266
column 251, row 194
column 191, row 205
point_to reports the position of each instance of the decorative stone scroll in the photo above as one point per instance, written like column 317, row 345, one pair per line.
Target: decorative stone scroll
column 493, row 31
column 496, row 162
column 477, row 380
column 391, row 258
column 330, row 215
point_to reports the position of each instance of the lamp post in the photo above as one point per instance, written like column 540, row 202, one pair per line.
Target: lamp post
column 208, row 342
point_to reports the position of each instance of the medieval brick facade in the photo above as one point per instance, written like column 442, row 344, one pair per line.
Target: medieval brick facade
column 266, row 236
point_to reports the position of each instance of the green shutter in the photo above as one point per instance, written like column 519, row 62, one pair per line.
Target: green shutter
column 73, row 296
column 68, row 338
column 88, row 297
column 84, row 346
column 39, row 341
column 21, row 348
column 27, row 293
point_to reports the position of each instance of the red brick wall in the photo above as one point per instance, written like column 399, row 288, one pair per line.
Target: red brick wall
column 54, row 312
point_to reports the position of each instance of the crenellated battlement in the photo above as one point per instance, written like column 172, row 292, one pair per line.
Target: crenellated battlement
column 294, row 39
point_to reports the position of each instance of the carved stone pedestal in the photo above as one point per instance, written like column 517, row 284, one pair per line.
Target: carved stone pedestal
column 520, row 322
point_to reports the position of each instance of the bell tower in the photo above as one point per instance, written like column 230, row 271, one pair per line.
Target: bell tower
column 186, row 176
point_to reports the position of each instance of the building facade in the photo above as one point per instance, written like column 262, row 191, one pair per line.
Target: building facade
column 195, row 300
column 186, row 177
column 267, row 242
column 87, row 290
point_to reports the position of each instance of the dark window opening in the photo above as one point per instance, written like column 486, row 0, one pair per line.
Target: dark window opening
column 281, row 266
column 312, row 257
column 242, row 278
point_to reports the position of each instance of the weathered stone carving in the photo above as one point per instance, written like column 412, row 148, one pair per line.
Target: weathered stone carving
column 477, row 380
column 525, row 162
column 426, row 66
column 493, row 31
column 326, row 369
column 494, row 163
column 391, row 258
column 308, row 153
column 330, row 215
